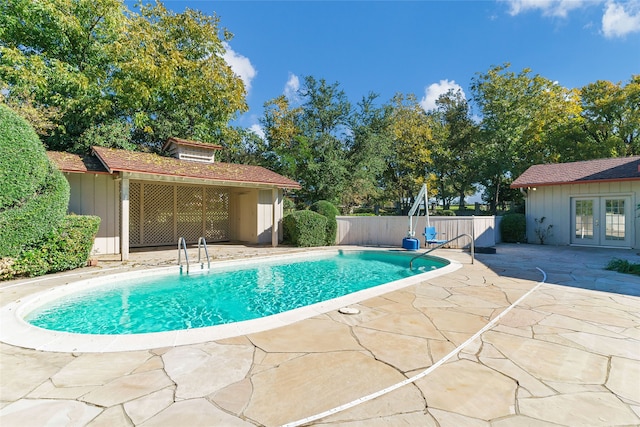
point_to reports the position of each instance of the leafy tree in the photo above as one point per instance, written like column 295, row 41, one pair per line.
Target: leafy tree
column 308, row 143
column 81, row 68
column 114, row 134
column 411, row 133
column 242, row 146
column 519, row 113
column 454, row 151
column 611, row 115
column 368, row 147
column 55, row 56
column 172, row 78
column 280, row 123
column 325, row 114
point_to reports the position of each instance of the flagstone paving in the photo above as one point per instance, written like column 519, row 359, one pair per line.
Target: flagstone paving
column 567, row 355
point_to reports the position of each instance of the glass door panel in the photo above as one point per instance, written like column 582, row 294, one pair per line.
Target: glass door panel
column 615, row 220
column 584, row 221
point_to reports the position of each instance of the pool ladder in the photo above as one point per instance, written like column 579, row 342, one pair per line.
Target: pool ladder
column 182, row 247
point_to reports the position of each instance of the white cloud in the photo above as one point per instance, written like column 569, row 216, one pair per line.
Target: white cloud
column 558, row 8
column 433, row 92
column 291, row 87
column 257, row 129
column 241, row 65
column 621, row 19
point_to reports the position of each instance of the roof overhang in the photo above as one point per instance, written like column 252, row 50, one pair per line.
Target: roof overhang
column 137, row 176
column 549, row 184
column 616, row 169
column 152, row 167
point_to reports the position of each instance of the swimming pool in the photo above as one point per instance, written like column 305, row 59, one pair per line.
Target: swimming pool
column 186, row 308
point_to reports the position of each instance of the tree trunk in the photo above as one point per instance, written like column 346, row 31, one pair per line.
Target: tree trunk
column 461, row 202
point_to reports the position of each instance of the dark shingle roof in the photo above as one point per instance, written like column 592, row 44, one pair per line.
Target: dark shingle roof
column 601, row 170
column 109, row 160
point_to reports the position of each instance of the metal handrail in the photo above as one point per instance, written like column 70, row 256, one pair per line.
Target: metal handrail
column 441, row 245
column 186, row 255
column 206, row 252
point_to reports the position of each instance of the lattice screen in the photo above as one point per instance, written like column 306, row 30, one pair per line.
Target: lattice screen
column 160, row 213
column 134, row 213
column 217, row 214
column 189, row 213
column 157, row 214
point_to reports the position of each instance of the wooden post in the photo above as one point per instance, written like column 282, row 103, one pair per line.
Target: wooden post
column 124, row 219
column 274, row 217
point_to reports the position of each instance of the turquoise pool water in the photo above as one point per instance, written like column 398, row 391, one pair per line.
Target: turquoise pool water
column 224, row 295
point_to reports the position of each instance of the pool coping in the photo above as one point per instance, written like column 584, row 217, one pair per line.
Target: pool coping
column 16, row 331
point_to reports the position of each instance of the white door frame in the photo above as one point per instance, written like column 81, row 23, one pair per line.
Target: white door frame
column 602, row 220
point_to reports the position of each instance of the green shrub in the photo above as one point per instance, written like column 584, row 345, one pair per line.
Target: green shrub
column 64, row 248
column 28, row 222
column 513, row 228
column 23, row 160
column 328, row 210
column 305, row 228
column 623, row 266
column 35, row 194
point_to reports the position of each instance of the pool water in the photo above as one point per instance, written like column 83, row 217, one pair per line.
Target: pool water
column 226, row 295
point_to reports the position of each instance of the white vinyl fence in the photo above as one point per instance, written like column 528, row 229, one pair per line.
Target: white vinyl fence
column 390, row 230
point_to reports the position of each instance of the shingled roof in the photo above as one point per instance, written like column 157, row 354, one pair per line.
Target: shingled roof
column 601, row 170
column 68, row 162
column 109, row 160
column 190, row 143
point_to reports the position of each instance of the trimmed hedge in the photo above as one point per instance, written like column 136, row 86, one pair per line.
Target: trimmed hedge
column 27, row 223
column 23, row 160
column 513, row 228
column 64, row 248
column 305, row 228
column 328, row 210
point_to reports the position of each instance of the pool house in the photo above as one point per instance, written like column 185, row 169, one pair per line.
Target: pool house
column 588, row 203
column 147, row 200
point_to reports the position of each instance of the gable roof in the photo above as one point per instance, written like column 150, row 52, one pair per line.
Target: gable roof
column 190, row 143
column 110, row 160
column 68, row 162
column 600, row 170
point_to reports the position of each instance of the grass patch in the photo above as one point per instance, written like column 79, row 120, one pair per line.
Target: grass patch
column 623, row 266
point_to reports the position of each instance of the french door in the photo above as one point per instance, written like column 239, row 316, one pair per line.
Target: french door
column 601, row 221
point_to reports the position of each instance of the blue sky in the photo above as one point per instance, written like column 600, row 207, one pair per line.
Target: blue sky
column 421, row 47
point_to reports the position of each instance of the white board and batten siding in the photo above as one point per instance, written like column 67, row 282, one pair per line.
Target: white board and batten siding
column 554, row 203
column 253, row 213
column 269, row 215
column 390, row 230
column 98, row 194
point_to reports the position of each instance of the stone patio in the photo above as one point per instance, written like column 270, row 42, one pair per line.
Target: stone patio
column 568, row 354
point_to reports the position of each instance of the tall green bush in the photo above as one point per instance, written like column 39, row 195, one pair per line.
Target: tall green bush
column 35, row 194
column 304, row 228
column 513, row 228
column 23, row 160
column 329, row 211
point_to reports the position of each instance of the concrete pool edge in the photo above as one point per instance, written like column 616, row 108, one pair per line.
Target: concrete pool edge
column 16, row 331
